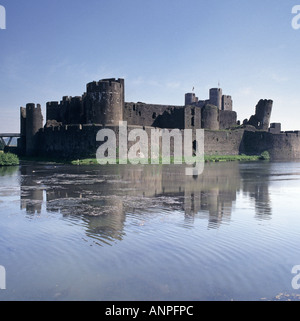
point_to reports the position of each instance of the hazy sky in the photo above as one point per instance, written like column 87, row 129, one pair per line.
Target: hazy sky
column 163, row 48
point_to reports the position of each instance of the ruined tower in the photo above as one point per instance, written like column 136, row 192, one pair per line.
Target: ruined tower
column 226, row 103
column 261, row 119
column 34, row 122
column 263, row 113
column 104, row 102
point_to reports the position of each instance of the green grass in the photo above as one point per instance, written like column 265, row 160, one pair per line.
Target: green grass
column 231, row 158
column 87, row 161
column 240, row 158
column 8, row 159
column 207, row 158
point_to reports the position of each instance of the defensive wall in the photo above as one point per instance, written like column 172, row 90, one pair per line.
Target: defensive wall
column 79, row 141
column 73, row 123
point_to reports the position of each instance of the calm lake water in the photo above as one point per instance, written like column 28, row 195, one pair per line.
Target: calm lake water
column 150, row 232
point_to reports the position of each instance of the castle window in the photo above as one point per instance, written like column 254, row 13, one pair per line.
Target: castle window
column 154, row 116
column 194, row 147
column 193, row 121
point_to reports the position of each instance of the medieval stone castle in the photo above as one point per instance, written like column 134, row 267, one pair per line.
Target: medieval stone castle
column 72, row 124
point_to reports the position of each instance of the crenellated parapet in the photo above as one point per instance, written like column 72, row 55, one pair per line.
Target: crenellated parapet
column 104, row 102
column 68, row 111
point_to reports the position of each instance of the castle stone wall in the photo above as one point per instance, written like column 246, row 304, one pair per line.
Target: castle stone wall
column 79, row 141
column 280, row 146
column 163, row 116
column 69, row 141
column 223, row 142
column 192, row 117
column 227, row 119
column 73, row 123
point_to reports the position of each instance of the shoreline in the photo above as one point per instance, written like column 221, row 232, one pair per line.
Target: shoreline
column 207, row 159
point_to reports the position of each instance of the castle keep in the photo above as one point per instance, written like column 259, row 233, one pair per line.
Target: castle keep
column 72, row 124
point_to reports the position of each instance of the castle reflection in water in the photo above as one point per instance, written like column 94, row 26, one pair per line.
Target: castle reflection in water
column 103, row 196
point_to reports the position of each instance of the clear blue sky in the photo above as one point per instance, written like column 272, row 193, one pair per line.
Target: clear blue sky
column 163, row 48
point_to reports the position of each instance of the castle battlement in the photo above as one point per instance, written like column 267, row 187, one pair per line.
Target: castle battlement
column 72, row 124
column 111, row 83
column 33, row 107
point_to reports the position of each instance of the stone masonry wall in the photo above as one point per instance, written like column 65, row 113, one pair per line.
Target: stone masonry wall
column 79, row 141
column 280, row 146
column 163, row 116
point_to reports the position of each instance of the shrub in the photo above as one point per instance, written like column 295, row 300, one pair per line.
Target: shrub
column 265, row 155
column 8, row 159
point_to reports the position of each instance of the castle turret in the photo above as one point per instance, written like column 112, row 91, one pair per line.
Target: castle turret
column 215, row 97
column 104, row 102
column 210, row 117
column 22, row 139
column 190, row 99
column 34, row 122
column 53, row 111
column 262, row 117
column 226, row 103
column 263, row 113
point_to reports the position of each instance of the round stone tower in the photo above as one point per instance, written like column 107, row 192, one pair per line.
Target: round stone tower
column 215, row 97
column 190, row 99
column 34, row 122
column 104, row 102
column 210, row 117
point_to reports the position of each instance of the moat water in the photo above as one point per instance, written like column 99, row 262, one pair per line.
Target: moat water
column 150, row 232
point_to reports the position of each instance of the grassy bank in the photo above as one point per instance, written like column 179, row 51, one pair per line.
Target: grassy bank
column 8, row 159
column 233, row 158
column 207, row 158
